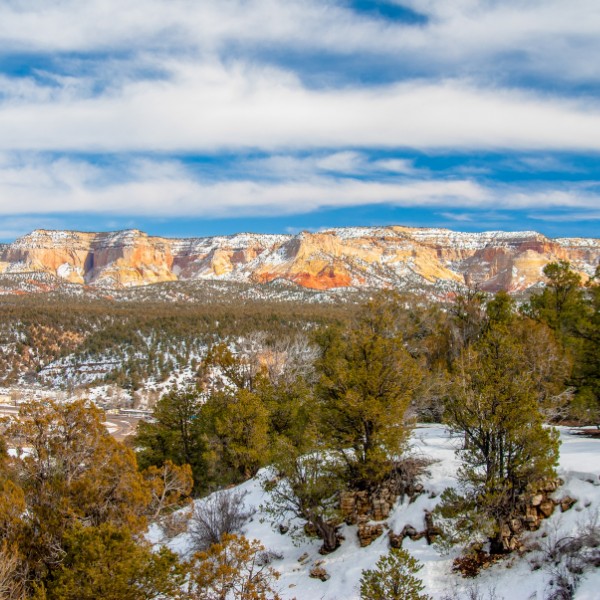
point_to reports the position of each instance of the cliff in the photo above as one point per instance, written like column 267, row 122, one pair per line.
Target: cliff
column 399, row 257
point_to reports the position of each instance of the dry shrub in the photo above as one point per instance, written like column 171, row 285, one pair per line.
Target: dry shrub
column 470, row 564
column 175, row 523
column 222, row 512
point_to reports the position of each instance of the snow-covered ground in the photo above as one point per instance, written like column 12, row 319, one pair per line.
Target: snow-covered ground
column 512, row 579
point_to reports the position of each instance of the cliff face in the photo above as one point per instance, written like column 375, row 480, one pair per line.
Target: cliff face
column 362, row 257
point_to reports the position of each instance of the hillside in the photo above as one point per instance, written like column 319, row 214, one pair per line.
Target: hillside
column 525, row 577
column 367, row 257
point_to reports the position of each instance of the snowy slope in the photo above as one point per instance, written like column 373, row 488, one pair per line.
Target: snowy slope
column 512, row 579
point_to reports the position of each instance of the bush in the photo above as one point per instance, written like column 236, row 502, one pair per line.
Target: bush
column 221, row 513
column 567, row 558
column 232, row 569
column 394, row 578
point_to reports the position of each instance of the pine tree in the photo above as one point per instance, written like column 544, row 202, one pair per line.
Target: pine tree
column 307, row 487
column 561, row 301
column 108, row 562
column 573, row 312
column 394, row 578
column 73, row 472
column 174, row 434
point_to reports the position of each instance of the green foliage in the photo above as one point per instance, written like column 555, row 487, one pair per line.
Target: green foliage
column 394, row 578
column 292, row 411
column 73, row 505
column 307, row 487
column 235, row 426
column 107, row 562
column 463, row 522
column 73, row 471
column 367, row 382
column 493, row 404
column 573, row 312
column 137, row 333
column 560, row 303
column 174, row 434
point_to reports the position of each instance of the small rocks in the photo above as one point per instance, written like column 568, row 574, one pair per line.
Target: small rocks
column 409, row 531
column 318, row 572
column 516, row 526
column 566, row 503
column 368, row 533
column 537, row 499
column 546, row 508
column 283, row 528
column 303, row 559
column 432, row 531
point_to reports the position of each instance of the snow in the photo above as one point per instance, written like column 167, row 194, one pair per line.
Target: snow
column 512, row 579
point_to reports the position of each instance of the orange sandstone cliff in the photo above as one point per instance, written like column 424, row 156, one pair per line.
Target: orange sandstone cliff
column 400, row 257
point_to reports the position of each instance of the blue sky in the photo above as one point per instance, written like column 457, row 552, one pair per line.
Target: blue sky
column 193, row 118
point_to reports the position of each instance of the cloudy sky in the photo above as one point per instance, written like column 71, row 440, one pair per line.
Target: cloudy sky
column 200, row 117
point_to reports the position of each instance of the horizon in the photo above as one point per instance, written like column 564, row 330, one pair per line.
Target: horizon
column 310, row 231
column 187, row 119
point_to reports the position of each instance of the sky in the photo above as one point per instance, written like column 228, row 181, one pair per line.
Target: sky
column 206, row 117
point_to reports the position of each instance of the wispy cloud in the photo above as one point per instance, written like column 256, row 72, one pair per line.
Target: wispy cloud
column 574, row 217
column 551, row 38
column 320, row 106
column 39, row 185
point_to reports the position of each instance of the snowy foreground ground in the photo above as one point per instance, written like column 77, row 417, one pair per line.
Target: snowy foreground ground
column 512, row 579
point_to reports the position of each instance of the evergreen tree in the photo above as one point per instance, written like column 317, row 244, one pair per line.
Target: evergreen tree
column 394, row 578
column 72, row 508
column 561, row 301
column 307, row 488
column 107, row 562
column 174, row 434
column 235, row 428
column 367, row 383
column 573, row 312
column 590, row 360
column 493, row 404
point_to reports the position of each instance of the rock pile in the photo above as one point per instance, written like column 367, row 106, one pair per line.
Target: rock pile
column 538, row 505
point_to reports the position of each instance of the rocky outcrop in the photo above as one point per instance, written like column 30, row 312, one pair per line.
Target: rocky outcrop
column 401, row 257
column 537, row 506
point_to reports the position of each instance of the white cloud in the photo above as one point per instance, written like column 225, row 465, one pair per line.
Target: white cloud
column 576, row 216
column 460, row 217
column 157, row 189
column 554, row 38
column 396, row 165
column 341, row 162
column 183, row 76
column 210, row 106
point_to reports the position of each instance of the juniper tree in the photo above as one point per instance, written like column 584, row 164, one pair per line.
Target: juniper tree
column 306, row 487
column 573, row 312
column 493, row 404
column 173, row 433
column 367, row 382
column 235, row 431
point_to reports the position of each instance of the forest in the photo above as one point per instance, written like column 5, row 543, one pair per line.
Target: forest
column 319, row 400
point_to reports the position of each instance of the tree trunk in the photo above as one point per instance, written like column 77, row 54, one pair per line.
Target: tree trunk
column 328, row 533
